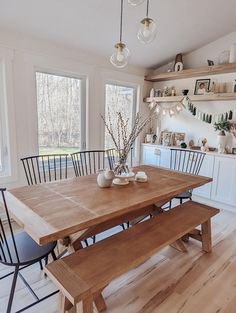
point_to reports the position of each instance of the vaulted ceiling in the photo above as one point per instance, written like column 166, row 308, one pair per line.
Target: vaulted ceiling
column 93, row 25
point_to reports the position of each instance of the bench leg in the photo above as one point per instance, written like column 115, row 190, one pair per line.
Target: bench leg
column 87, row 306
column 66, row 305
column 179, row 245
column 206, row 236
column 100, row 302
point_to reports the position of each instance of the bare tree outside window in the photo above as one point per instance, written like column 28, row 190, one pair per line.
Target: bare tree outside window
column 119, row 99
column 59, row 110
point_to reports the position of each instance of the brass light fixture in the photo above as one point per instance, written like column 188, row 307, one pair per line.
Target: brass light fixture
column 121, row 54
column 148, row 29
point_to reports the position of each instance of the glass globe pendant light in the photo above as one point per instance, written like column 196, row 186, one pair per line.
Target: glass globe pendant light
column 121, row 54
column 135, row 2
column 148, row 29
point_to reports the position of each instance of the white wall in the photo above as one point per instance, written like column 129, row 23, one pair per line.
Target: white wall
column 25, row 55
column 185, row 122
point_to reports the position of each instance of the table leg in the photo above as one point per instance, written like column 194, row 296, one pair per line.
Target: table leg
column 206, row 236
column 100, row 302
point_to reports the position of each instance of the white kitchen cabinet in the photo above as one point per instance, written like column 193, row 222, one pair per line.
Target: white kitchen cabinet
column 151, row 155
column 207, row 169
column 224, row 180
column 222, row 168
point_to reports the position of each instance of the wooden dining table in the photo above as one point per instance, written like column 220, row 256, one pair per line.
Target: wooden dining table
column 54, row 210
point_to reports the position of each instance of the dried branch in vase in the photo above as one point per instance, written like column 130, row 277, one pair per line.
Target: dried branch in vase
column 123, row 139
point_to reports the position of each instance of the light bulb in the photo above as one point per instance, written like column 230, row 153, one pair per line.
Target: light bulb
column 152, row 104
column 164, row 112
column 120, row 56
column 135, row 2
column 147, row 31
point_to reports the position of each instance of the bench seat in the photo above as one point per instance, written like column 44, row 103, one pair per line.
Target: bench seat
column 84, row 273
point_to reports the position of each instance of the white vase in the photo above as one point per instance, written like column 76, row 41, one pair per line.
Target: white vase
column 221, row 140
column 232, row 56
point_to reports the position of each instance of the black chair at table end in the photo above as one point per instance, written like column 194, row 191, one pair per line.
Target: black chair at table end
column 186, row 161
column 19, row 250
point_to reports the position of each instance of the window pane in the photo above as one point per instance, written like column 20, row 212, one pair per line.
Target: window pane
column 118, row 99
column 59, row 113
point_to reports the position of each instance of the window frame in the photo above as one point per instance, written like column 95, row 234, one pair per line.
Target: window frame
column 7, row 118
column 135, row 107
column 84, row 87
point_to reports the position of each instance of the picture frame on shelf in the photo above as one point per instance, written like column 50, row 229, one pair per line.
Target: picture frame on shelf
column 178, row 138
column 166, row 138
column 202, row 86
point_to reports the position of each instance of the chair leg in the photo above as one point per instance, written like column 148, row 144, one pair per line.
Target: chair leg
column 13, row 286
column 41, row 265
column 181, row 201
column 123, row 226
column 53, row 256
column 94, row 239
column 170, row 204
column 86, row 242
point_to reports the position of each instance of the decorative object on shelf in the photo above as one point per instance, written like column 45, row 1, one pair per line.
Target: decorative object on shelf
column 223, row 126
column 204, row 146
column 121, row 54
column 152, row 93
column 183, row 145
column 179, row 65
column 191, row 144
column 178, row 138
column 154, row 138
column 105, row 178
column 209, row 118
column 135, row 2
column 166, row 92
column 170, row 67
column 210, row 62
column 148, row 29
column 148, row 138
column 233, row 150
column 173, row 92
column 141, row 177
column 232, row 56
column 235, row 86
column 166, row 138
column 124, row 138
column 233, row 129
column 202, row 86
column 158, row 93
column 185, row 92
column 224, row 57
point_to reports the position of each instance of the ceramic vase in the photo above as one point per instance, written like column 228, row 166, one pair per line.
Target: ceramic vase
column 221, row 140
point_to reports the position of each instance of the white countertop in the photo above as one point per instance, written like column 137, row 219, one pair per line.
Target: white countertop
column 213, row 153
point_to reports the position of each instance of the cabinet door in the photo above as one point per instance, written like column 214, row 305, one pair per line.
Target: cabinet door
column 165, row 157
column 224, row 180
column 150, row 155
column 206, row 170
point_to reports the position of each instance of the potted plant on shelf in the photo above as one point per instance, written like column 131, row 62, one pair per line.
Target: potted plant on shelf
column 223, row 127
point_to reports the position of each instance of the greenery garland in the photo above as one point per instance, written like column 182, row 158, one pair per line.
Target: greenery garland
column 207, row 117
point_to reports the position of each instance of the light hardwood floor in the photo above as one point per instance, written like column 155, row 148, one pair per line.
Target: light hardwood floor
column 169, row 282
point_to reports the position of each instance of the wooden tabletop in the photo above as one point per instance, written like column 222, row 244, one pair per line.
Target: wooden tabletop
column 54, row 210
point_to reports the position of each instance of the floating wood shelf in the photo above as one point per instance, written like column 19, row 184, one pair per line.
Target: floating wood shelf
column 201, row 71
column 214, row 97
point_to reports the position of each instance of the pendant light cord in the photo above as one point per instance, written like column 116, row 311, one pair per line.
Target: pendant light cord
column 121, row 18
column 147, row 8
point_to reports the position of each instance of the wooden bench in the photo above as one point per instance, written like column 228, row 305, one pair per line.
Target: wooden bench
column 82, row 275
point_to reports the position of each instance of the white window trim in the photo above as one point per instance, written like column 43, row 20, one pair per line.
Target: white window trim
column 121, row 79
column 83, row 114
column 55, row 66
column 8, row 117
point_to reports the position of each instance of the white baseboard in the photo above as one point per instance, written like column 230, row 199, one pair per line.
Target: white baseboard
column 215, row 204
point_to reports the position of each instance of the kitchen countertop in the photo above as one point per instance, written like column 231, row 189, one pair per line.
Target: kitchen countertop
column 213, row 153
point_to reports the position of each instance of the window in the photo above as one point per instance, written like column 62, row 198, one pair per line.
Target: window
column 61, row 113
column 119, row 99
column 4, row 155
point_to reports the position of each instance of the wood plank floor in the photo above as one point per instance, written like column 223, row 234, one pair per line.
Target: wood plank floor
column 169, row 282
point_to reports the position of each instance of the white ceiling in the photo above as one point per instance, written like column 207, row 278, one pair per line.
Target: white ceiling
column 93, row 25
